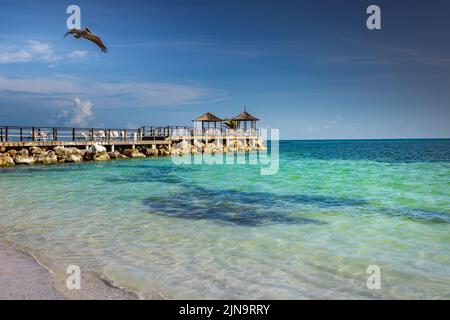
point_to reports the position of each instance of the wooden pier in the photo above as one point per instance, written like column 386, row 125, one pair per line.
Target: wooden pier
column 31, row 136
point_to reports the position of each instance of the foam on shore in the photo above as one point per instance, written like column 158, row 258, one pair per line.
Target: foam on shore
column 23, row 276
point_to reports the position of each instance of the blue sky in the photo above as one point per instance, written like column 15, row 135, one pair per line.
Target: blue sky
column 310, row 68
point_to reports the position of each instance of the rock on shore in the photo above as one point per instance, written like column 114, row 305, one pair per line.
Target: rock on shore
column 64, row 154
column 133, row 153
column 43, row 156
column 97, row 153
column 151, row 152
column 24, row 160
column 61, row 154
column 6, row 160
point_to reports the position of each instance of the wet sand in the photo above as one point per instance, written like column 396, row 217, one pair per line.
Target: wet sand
column 22, row 277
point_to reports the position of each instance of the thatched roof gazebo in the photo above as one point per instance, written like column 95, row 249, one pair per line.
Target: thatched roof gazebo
column 208, row 119
column 243, row 119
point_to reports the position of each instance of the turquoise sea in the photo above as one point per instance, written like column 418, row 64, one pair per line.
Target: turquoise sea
column 225, row 231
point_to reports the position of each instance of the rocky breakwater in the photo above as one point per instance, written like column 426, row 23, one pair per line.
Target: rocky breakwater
column 36, row 155
column 184, row 148
column 60, row 154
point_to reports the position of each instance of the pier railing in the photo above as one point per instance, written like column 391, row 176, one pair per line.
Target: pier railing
column 215, row 132
column 150, row 132
column 45, row 134
column 28, row 134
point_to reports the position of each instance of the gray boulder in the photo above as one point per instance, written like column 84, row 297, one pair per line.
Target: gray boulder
column 24, row 160
column 92, row 151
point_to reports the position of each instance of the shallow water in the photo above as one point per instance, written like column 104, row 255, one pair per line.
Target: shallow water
column 225, row 231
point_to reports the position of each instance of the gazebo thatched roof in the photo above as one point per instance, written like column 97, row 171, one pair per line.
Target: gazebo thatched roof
column 208, row 117
column 245, row 116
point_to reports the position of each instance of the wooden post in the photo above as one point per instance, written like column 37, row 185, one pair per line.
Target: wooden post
column 56, row 134
column 6, row 133
column 21, row 137
column 32, row 134
column 73, row 134
column 1, row 134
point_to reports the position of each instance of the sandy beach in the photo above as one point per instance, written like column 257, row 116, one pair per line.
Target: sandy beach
column 22, row 277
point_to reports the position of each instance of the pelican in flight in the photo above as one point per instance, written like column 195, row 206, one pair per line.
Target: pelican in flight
column 87, row 34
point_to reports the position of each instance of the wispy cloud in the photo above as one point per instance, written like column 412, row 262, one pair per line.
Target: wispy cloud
column 413, row 56
column 32, row 51
column 76, row 54
column 153, row 94
column 108, row 94
column 13, row 57
column 39, row 85
column 363, row 53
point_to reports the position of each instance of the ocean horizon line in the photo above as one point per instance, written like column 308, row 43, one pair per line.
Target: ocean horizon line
column 362, row 139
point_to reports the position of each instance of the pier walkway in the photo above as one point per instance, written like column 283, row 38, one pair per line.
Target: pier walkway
column 28, row 136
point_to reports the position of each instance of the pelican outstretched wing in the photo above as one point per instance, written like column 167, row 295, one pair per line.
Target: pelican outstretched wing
column 95, row 40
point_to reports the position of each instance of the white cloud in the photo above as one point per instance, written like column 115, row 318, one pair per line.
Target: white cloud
column 79, row 115
column 39, row 47
column 20, row 56
column 42, row 51
column 78, row 54
column 83, row 112
column 33, row 51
